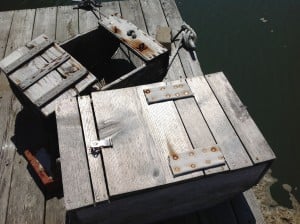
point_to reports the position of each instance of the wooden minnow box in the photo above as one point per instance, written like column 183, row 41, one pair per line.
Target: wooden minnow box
column 146, row 153
column 42, row 73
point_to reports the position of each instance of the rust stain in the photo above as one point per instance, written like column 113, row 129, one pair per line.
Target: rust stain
column 116, row 30
column 147, row 91
column 193, row 165
column 213, row 149
column 177, row 169
column 172, row 152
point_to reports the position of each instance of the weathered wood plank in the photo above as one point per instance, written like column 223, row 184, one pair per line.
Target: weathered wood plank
column 189, row 60
column 236, row 111
column 87, row 21
column 95, row 163
column 132, row 163
column 67, row 23
column 254, row 206
column 55, row 211
column 23, row 188
column 167, row 131
column 45, row 22
column 131, row 11
column 233, row 150
column 74, row 167
column 154, row 17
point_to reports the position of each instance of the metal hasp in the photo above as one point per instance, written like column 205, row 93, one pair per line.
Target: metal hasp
column 97, row 145
column 168, row 92
column 194, row 160
column 141, row 43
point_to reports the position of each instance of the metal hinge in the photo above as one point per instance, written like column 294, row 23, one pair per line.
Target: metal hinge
column 194, row 160
column 168, row 92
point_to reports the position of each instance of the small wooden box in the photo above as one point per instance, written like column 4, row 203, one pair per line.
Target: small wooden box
column 133, row 179
column 42, row 73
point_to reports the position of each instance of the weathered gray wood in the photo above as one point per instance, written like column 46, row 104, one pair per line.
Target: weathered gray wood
column 67, row 23
column 95, row 163
column 154, row 17
column 55, row 211
column 167, row 131
column 254, row 206
column 45, row 22
column 22, row 187
column 249, row 133
column 178, row 199
column 131, row 11
column 60, row 87
column 189, row 60
column 87, row 21
column 233, row 150
column 74, row 167
column 132, row 163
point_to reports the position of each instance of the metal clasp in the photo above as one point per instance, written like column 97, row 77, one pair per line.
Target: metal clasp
column 97, row 145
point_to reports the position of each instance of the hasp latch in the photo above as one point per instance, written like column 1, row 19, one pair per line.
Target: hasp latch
column 97, row 145
column 168, row 92
column 196, row 159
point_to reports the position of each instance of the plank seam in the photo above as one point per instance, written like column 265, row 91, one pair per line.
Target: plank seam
column 85, row 150
column 144, row 16
column 229, row 121
column 102, row 158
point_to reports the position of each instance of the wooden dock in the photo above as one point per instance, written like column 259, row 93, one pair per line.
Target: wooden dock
column 22, row 200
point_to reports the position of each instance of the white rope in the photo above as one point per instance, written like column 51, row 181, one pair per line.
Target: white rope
column 189, row 37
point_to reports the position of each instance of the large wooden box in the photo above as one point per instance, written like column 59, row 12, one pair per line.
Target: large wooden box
column 136, row 178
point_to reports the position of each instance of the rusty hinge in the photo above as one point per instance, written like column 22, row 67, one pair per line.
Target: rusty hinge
column 168, row 92
column 197, row 159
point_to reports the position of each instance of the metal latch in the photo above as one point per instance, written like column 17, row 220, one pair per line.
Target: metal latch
column 194, row 160
column 97, row 145
column 168, row 92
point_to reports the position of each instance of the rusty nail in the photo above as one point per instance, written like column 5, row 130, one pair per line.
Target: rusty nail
column 162, row 88
column 191, row 153
column 175, row 157
column 141, row 47
column 186, row 93
column 147, row 91
column 177, row 94
column 193, row 165
column 176, row 169
column 168, row 95
column 213, row 149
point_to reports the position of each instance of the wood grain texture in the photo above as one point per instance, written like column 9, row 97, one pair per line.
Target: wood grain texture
column 188, row 59
column 87, row 21
column 253, row 140
column 74, row 167
column 254, row 206
column 95, row 163
column 233, row 150
column 22, row 187
column 132, row 163
column 67, row 23
column 55, row 211
column 154, row 17
column 45, row 22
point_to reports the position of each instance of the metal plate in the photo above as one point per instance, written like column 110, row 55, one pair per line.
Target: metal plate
column 194, row 160
column 168, row 92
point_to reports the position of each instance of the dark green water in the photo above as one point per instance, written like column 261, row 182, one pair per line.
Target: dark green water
column 257, row 45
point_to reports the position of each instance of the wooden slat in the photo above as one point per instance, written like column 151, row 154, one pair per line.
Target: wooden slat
column 55, row 211
column 132, row 163
column 190, row 63
column 167, row 131
column 236, row 111
column 154, row 17
column 74, row 167
column 45, row 22
column 233, row 150
column 22, row 188
column 70, row 80
column 95, row 163
column 67, row 23
column 254, row 206
column 87, row 21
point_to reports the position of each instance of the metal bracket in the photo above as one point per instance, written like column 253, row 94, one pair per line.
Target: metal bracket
column 194, row 160
column 168, row 92
column 97, row 145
